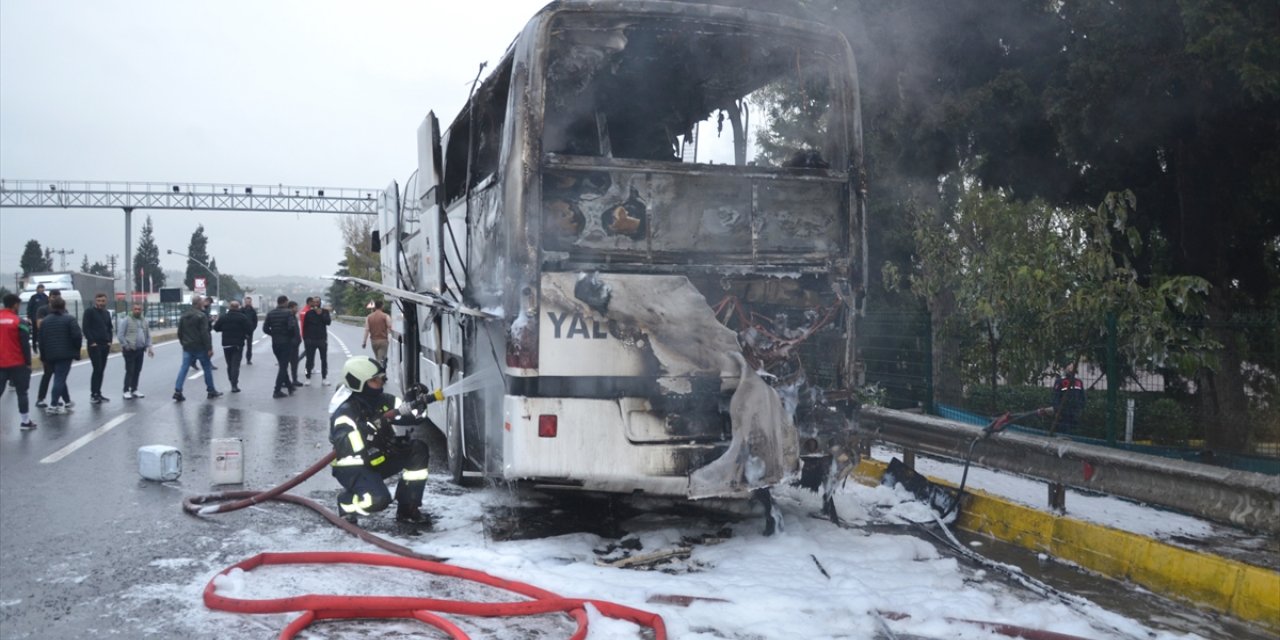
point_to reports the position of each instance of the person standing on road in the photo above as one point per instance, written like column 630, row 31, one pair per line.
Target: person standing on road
column 1068, row 400
column 315, row 333
column 297, row 343
column 197, row 345
column 37, row 301
column 377, row 329
column 135, row 340
column 280, row 325
column 206, row 306
column 234, row 325
column 98, row 334
column 46, row 375
column 15, row 356
column 367, row 449
column 252, row 314
column 60, row 340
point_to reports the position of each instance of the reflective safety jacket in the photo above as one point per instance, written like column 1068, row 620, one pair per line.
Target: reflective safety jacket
column 356, row 433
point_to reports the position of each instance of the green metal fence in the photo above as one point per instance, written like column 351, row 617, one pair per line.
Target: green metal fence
column 1124, row 408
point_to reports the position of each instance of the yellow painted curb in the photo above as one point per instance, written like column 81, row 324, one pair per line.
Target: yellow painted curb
column 1228, row 586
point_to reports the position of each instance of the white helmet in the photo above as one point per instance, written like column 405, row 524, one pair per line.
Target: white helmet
column 361, row 369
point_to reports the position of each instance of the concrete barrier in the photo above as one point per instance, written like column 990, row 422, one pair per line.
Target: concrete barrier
column 1227, row 586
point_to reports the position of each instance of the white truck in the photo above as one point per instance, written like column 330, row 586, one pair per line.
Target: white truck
column 78, row 288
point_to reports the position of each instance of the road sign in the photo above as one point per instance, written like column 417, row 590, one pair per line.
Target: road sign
column 200, row 286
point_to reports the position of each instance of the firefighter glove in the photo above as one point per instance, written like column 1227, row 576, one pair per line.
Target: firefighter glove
column 373, row 456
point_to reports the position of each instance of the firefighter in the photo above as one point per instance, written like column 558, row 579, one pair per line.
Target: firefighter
column 368, row 449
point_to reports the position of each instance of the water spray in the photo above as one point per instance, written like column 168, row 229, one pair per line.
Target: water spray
column 467, row 384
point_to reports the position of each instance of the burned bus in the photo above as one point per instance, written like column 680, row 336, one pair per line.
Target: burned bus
column 644, row 234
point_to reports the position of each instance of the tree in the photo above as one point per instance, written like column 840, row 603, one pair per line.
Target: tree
column 33, row 259
column 338, row 290
column 1070, row 102
column 97, row 268
column 198, row 256
column 215, row 279
column 1178, row 102
column 231, row 289
column 359, row 261
column 1031, row 284
column 146, row 260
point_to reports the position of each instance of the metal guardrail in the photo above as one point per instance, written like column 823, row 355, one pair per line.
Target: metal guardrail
column 74, row 194
column 1239, row 498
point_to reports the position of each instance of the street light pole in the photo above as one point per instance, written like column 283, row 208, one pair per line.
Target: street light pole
column 216, row 275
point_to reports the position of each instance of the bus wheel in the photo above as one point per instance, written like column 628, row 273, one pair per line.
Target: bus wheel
column 453, row 433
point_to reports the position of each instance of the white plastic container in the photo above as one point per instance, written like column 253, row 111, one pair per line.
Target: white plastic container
column 227, row 455
column 159, row 462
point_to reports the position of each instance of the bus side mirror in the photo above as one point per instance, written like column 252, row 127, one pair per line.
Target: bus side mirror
column 375, row 242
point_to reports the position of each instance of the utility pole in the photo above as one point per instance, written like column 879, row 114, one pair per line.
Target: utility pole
column 215, row 274
column 62, row 253
column 111, row 262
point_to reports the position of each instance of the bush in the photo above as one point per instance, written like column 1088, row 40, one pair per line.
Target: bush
column 1165, row 422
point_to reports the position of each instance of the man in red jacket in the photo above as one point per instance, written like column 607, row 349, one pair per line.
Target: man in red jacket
column 15, row 356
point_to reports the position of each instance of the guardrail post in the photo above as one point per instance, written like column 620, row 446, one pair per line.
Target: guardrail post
column 1057, row 497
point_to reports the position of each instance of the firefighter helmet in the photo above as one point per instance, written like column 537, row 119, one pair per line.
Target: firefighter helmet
column 361, row 369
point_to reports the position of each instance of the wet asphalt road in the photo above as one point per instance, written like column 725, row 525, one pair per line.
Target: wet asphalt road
column 79, row 525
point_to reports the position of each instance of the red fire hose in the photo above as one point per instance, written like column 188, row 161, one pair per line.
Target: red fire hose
column 320, row 607
column 328, row 607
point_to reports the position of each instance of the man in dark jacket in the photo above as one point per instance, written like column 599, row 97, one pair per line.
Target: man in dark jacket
column 252, row 314
column 46, row 376
column 197, row 346
column 282, row 326
column 34, row 303
column 315, row 335
column 234, row 325
column 60, row 339
column 98, row 334
column 294, row 354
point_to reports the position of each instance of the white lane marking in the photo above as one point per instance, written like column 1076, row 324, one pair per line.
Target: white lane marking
column 342, row 344
column 81, row 363
column 85, row 439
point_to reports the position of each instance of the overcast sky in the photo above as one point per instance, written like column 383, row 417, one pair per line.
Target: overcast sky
column 315, row 93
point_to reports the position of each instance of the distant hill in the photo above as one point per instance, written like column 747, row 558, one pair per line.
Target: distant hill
column 296, row 287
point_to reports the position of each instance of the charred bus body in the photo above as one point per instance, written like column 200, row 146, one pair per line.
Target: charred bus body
column 639, row 199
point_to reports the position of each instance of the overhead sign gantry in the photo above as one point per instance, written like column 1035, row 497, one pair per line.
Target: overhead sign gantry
column 71, row 194
column 86, row 194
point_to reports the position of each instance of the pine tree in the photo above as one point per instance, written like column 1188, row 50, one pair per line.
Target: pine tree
column 198, row 253
column 33, row 259
column 215, row 284
column 146, row 261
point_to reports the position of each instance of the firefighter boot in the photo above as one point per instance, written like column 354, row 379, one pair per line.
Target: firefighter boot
column 351, row 518
column 413, row 516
